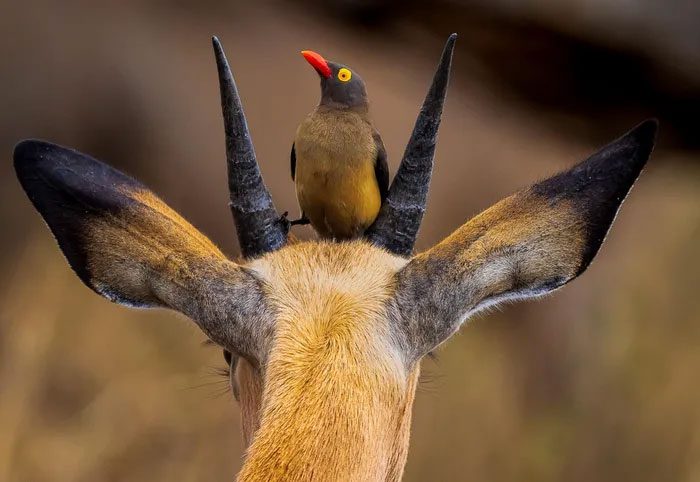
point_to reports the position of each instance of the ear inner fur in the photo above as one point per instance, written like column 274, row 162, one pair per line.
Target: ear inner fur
column 526, row 245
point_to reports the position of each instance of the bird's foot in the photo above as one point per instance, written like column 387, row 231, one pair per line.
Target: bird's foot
column 284, row 219
column 302, row 221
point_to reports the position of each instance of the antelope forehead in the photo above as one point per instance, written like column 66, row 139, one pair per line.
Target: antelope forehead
column 332, row 297
column 318, row 265
column 337, row 292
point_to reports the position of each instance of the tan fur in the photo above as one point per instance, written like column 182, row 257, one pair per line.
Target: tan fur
column 148, row 250
column 522, row 239
column 337, row 394
column 335, row 180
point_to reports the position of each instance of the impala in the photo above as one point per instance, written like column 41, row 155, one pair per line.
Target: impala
column 325, row 339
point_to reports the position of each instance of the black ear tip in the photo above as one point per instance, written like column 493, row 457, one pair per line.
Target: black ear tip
column 452, row 37
column 641, row 140
column 28, row 154
column 645, row 133
column 32, row 156
column 24, row 150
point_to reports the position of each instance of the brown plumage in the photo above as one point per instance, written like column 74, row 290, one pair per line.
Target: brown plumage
column 338, row 159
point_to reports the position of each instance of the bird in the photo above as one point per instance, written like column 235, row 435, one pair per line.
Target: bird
column 338, row 160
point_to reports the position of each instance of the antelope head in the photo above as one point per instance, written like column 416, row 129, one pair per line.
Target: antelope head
column 324, row 340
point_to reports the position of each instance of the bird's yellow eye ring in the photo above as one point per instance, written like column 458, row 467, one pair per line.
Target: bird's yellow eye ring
column 344, row 75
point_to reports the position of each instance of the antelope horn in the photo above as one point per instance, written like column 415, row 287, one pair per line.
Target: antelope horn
column 396, row 227
column 260, row 228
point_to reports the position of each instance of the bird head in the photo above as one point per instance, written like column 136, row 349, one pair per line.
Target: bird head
column 340, row 85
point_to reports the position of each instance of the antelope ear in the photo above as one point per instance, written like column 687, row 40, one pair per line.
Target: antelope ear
column 130, row 247
column 115, row 233
column 526, row 245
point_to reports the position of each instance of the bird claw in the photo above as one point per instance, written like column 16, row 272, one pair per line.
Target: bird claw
column 302, row 221
column 284, row 220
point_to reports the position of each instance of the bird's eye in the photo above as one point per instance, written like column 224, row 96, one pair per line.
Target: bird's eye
column 344, row 75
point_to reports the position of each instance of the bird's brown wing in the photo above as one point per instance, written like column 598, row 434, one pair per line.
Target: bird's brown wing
column 293, row 159
column 381, row 168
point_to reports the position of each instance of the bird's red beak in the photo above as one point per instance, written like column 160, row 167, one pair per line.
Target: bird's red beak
column 317, row 62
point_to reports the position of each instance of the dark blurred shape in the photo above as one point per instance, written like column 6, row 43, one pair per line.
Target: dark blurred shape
column 607, row 63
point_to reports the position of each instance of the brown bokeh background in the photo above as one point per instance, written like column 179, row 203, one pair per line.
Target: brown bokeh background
column 598, row 382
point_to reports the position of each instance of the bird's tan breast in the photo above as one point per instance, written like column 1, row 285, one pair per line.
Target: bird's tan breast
column 335, row 179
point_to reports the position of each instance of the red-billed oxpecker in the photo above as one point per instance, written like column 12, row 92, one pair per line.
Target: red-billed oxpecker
column 338, row 158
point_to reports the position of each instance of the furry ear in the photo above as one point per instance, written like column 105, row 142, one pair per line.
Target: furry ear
column 130, row 247
column 115, row 233
column 526, row 245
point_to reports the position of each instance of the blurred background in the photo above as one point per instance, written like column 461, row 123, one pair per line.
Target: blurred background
column 599, row 382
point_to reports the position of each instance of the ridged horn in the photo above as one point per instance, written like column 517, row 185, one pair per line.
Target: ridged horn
column 397, row 224
column 260, row 228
